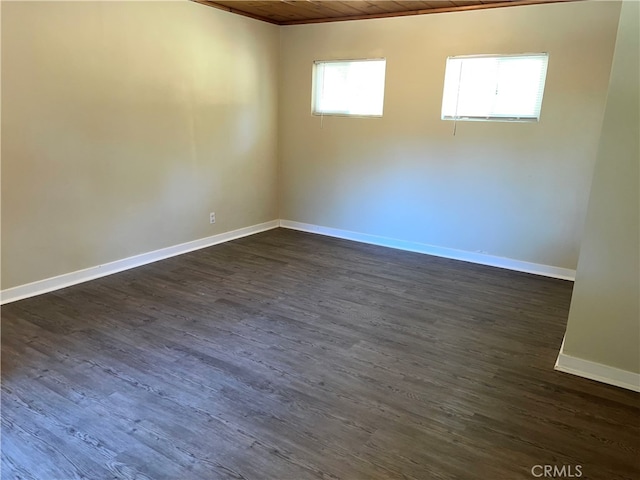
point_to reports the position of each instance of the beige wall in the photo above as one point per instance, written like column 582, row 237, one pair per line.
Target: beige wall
column 514, row 190
column 604, row 320
column 124, row 124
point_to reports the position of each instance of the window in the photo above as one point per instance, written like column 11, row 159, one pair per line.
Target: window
column 494, row 87
column 348, row 87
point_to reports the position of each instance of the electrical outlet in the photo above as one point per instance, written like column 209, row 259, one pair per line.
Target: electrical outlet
column 212, row 217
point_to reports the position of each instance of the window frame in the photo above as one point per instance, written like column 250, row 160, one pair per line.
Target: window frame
column 508, row 119
column 314, row 87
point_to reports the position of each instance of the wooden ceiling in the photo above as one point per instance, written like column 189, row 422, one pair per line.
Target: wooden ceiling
column 292, row 12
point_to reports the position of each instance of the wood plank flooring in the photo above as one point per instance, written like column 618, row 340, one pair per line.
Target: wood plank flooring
column 291, row 356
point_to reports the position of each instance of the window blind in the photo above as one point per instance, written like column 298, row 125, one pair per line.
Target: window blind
column 349, row 87
column 494, row 87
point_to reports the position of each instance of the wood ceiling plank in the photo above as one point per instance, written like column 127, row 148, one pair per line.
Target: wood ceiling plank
column 404, row 6
column 276, row 11
column 383, row 7
column 340, row 8
column 292, row 12
column 309, row 10
column 433, row 4
column 363, row 6
column 232, row 9
column 374, row 7
column 480, row 6
column 464, row 3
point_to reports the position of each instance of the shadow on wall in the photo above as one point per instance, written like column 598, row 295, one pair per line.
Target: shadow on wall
column 445, row 193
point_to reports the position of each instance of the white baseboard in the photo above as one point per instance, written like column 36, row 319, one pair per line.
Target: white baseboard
column 597, row 371
column 73, row 278
column 473, row 257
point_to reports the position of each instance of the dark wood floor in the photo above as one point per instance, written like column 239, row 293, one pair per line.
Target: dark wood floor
column 291, row 356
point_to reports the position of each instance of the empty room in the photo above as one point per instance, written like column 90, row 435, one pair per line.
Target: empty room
column 291, row 240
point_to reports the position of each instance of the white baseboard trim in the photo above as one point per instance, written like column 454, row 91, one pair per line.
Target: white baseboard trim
column 473, row 257
column 66, row 280
column 597, row 371
column 80, row 276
